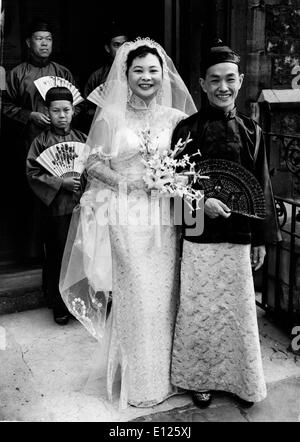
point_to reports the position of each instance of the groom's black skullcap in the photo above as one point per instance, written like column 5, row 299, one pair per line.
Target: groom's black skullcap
column 219, row 53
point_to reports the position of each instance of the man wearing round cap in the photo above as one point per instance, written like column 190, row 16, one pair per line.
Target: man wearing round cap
column 25, row 107
column 115, row 36
column 22, row 101
column 216, row 342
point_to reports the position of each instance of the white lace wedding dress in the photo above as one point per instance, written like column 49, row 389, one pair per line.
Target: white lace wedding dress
column 145, row 270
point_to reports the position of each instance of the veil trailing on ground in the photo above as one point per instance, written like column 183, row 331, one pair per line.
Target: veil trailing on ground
column 86, row 274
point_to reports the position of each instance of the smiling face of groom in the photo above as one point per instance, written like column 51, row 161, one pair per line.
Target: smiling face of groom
column 222, row 83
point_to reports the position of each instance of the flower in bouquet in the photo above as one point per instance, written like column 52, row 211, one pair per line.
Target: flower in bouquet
column 162, row 169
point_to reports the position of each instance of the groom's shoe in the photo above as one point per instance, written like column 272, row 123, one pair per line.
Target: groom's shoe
column 202, row 399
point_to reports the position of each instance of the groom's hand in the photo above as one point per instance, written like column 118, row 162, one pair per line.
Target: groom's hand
column 258, row 254
column 214, row 208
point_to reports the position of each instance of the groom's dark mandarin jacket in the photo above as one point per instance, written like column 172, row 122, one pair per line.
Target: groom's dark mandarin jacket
column 234, row 137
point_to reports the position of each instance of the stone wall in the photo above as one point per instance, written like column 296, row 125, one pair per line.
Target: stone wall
column 267, row 33
column 282, row 35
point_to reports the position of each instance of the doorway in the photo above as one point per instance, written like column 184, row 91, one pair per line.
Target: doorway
column 78, row 45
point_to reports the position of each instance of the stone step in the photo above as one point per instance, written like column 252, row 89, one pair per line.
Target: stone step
column 20, row 288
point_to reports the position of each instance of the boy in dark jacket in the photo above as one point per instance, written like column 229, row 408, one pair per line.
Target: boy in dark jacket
column 58, row 195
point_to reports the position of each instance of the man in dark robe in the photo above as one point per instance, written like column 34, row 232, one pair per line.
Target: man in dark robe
column 114, row 38
column 216, row 342
column 57, row 195
column 25, row 107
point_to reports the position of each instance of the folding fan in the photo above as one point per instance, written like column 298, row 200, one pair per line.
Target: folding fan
column 65, row 159
column 234, row 185
column 43, row 84
column 97, row 95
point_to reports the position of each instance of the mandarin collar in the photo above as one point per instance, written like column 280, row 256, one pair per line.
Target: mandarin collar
column 213, row 113
column 61, row 132
column 38, row 62
column 139, row 104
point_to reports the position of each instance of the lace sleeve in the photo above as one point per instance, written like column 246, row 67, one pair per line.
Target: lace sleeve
column 100, row 169
column 98, row 163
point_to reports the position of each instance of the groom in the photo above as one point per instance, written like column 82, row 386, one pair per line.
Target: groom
column 216, row 343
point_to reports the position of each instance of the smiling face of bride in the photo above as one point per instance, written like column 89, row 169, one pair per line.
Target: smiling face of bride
column 145, row 76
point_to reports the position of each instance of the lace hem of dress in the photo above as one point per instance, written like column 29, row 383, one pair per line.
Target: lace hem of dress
column 156, row 401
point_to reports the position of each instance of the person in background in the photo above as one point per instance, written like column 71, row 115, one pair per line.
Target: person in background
column 24, row 106
column 115, row 37
column 58, row 196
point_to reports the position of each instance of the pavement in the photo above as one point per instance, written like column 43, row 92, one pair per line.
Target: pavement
column 44, row 370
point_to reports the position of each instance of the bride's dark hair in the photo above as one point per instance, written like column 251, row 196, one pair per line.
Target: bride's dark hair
column 141, row 52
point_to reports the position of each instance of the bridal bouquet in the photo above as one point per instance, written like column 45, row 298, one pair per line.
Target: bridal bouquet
column 161, row 169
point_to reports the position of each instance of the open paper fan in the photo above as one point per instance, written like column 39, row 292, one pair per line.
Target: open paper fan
column 97, row 95
column 43, row 84
column 65, row 159
column 235, row 186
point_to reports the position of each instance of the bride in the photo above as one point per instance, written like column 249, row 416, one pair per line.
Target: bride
column 116, row 249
